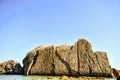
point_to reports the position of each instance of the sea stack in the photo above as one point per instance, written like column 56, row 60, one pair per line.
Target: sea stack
column 76, row 60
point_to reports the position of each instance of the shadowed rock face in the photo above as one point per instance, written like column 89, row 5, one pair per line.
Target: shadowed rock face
column 10, row 67
column 78, row 59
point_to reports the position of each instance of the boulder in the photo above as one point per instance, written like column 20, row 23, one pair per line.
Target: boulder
column 115, row 73
column 10, row 67
column 78, row 59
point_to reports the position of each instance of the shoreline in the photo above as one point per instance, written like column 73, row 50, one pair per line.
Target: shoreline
column 39, row 77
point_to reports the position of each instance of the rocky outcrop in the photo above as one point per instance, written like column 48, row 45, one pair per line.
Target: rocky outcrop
column 10, row 67
column 78, row 59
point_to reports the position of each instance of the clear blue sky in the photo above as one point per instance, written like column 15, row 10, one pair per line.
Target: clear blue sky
column 26, row 24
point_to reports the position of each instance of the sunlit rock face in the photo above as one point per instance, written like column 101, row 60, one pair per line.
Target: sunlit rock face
column 78, row 59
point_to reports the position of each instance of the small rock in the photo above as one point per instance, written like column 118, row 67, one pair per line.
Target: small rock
column 49, row 78
column 63, row 78
column 114, row 73
column 10, row 67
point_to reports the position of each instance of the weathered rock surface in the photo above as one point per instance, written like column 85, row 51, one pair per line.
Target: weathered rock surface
column 73, row 60
column 103, row 63
column 78, row 59
column 10, row 67
column 88, row 64
column 61, row 59
column 39, row 61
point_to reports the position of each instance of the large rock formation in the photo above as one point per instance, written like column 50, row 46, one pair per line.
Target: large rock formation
column 10, row 67
column 78, row 59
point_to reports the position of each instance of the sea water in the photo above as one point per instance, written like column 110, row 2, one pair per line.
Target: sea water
column 34, row 77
